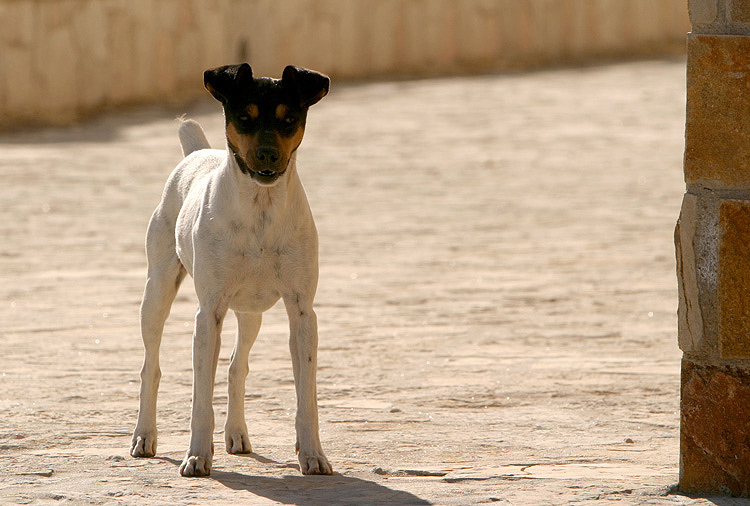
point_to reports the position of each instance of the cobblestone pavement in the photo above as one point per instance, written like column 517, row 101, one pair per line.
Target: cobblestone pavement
column 497, row 301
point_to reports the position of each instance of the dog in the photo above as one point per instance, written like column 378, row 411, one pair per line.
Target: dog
column 238, row 221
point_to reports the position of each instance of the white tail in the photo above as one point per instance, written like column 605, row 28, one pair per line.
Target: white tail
column 192, row 137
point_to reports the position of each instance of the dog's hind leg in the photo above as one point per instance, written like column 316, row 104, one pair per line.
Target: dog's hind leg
column 165, row 274
column 235, row 428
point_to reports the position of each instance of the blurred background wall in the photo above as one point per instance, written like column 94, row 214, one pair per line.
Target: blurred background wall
column 63, row 59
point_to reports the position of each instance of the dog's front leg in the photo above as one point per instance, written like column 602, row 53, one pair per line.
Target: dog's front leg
column 206, row 345
column 303, row 344
column 235, row 428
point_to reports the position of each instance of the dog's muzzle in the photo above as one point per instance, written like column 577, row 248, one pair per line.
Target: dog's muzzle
column 267, row 167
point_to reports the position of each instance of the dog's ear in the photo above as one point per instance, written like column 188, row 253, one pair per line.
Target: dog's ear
column 224, row 82
column 311, row 86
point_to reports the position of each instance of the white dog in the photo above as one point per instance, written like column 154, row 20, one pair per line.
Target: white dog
column 237, row 220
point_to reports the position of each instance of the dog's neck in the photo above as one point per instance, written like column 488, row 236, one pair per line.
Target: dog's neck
column 251, row 193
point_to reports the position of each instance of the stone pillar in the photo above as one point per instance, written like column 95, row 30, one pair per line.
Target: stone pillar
column 712, row 241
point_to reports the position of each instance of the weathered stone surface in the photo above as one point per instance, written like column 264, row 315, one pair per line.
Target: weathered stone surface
column 90, row 31
column 689, row 316
column 734, row 279
column 739, row 11
column 712, row 244
column 51, row 56
column 717, row 130
column 702, row 11
column 652, row 15
column 20, row 87
column 715, row 429
column 479, row 25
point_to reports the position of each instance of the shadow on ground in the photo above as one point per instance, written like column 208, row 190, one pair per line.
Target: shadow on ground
column 106, row 127
column 333, row 490
column 674, row 491
column 336, row 490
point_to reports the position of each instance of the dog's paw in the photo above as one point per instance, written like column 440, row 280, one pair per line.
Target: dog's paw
column 195, row 465
column 143, row 445
column 314, row 463
column 237, row 441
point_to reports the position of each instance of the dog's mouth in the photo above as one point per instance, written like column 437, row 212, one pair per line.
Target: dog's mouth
column 265, row 176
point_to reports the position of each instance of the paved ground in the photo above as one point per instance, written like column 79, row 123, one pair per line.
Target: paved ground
column 497, row 302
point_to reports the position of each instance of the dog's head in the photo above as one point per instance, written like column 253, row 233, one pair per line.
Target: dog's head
column 265, row 118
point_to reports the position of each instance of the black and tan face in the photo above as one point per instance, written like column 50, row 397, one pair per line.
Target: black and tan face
column 265, row 118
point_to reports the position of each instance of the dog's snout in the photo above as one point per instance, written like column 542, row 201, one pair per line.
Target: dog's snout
column 267, row 155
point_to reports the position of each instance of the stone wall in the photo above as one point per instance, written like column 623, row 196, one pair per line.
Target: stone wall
column 61, row 59
column 712, row 239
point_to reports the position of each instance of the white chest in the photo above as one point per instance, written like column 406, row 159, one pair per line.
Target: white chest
column 253, row 269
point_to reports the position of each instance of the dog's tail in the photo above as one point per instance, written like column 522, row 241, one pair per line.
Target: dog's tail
column 192, row 137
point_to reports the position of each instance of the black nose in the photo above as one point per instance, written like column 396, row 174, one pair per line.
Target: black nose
column 267, row 155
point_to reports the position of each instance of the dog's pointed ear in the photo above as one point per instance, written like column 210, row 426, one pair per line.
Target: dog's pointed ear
column 310, row 85
column 225, row 81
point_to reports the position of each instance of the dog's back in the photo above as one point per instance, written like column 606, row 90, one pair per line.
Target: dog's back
column 198, row 162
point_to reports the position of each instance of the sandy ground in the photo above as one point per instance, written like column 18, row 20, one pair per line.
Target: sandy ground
column 497, row 302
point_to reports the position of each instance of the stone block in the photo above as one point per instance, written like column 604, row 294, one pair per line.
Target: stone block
column 548, row 29
column 265, row 42
column 166, row 17
column 239, row 40
column 613, row 30
column 384, row 39
column 652, row 22
column 17, row 23
column 514, row 31
column 311, row 33
column 325, row 25
column 293, row 31
column 712, row 244
column 352, row 42
column 415, row 29
column 739, row 11
column 578, row 28
column 734, row 279
column 689, row 315
column 430, row 39
column 16, row 38
column 479, row 26
column 191, row 42
column 143, row 50
column 715, row 429
column 702, row 11
column 717, row 129
column 54, row 60
column 121, row 36
column 445, row 37
column 89, row 29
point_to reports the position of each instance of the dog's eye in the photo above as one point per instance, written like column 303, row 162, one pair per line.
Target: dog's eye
column 245, row 118
column 290, row 120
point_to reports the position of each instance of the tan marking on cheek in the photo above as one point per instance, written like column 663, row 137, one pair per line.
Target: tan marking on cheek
column 252, row 111
column 289, row 144
column 240, row 141
column 281, row 111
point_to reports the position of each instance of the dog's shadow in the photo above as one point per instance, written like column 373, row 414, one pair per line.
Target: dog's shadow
column 336, row 490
